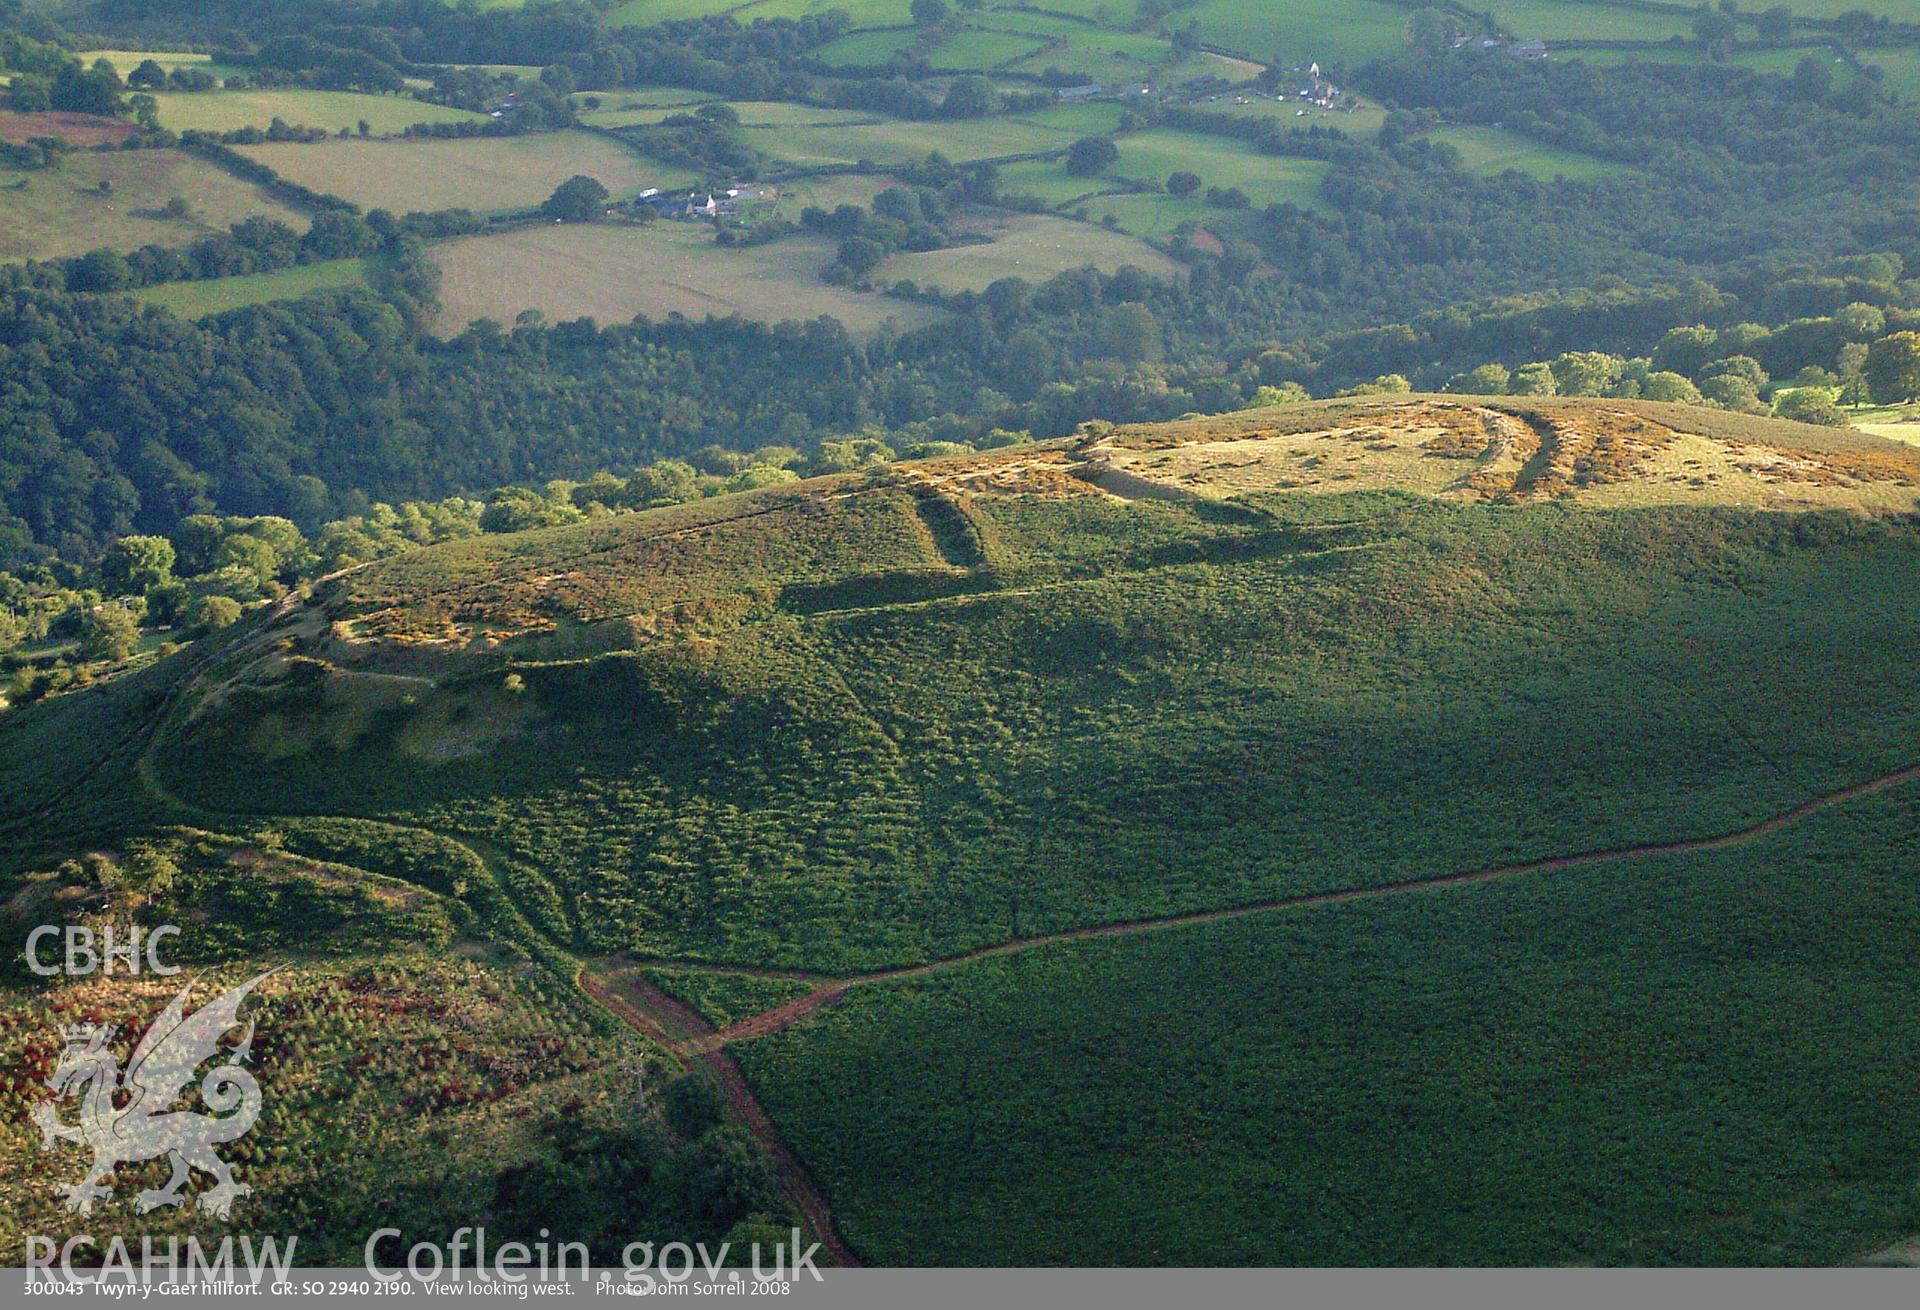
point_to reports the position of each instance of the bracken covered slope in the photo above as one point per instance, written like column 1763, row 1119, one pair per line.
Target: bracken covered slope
column 884, row 717
column 1090, row 779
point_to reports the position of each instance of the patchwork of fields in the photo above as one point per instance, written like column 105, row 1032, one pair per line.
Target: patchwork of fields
column 1130, row 191
column 1099, row 40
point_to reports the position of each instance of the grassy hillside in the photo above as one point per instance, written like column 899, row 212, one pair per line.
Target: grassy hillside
column 1034, row 247
column 227, row 111
column 486, row 174
column 884, row 718
column 118, row 200
column 217, row 295
column 757, row 747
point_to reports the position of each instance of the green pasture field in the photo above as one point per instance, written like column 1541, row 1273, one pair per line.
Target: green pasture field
column 893, row 141
column 227, row 111
column 865, row 13
column 1050, row 182
column 646, row 13
column 1871, row 418
column 1220, row 161
column 1116, row 69
column 975, row 49
column 1898, row 422
column 1098, row 54
column 1031, row 247
column 753, row 113
column 217, row 295
column 866, row 49
column 1907, row 431
column 1782, row 62
column 1091, row 65
column 1900, row 67
column 125, row 61
column 49, row 215
column 661, row 97
column 778, row 113
column 526, row 72
column 484, row 174
column 1142, row 47
column 1576, row 20
column 1155, row 215
column 1492, row 150
column 1343, row 32
column 1109, row 13
column 1765, row 61
column 614, row 272
column 1347, row 33
column 830, row 191
column 1088, row 118
column 632, row 116
column 1363, row 123
column 1708, row 1059
column 1901, row 11
column 1210, row 64
column 1898, row 10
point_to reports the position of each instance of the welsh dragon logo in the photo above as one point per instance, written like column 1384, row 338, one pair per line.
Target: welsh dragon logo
column 147, row 1126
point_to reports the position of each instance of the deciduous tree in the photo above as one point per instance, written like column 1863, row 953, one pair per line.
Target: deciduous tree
column 1892, row 368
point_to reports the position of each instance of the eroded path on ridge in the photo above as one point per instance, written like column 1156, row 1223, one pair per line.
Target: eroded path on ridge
column 828, row 992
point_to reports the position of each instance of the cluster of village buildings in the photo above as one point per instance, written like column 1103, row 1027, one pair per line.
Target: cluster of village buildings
column 1305, row 86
